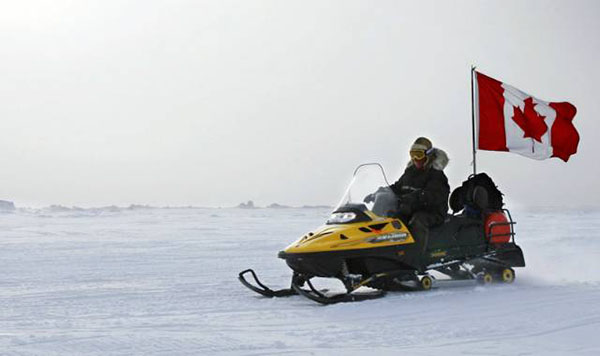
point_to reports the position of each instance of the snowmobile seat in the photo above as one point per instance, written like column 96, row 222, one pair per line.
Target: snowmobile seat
column 457, row 230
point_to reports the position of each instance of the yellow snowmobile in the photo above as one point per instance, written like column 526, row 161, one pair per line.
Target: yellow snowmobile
column 367, row 245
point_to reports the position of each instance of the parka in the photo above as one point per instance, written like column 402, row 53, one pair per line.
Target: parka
column 427, row 189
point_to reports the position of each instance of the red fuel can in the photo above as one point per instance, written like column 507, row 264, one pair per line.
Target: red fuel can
column 497, row 227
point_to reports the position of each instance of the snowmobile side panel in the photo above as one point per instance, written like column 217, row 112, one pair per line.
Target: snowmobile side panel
column 456, row 231
column 376, row 233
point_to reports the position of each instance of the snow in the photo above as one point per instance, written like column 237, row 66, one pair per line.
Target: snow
column 144, row 281
column 6, row 206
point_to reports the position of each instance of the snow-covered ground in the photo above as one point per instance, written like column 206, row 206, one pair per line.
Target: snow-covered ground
column 164, row 282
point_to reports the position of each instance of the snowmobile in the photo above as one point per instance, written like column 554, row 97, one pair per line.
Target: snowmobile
column 369, row 245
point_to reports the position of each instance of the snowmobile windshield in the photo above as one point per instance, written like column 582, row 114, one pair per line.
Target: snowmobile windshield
column 368, row 190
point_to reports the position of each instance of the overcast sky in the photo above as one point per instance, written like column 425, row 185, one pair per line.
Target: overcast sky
column 214, row 102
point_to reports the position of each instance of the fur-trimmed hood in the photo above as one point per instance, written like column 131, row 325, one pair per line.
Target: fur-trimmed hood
column 438, row 160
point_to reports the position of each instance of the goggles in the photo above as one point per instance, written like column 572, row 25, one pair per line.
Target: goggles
column 417, row 154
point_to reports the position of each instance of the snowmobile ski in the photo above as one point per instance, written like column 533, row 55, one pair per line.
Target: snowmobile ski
column 348, row 296
column 270, row 293
column 262, row 289
column 337, row 298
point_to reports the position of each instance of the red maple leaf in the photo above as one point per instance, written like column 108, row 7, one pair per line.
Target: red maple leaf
column 532, row 123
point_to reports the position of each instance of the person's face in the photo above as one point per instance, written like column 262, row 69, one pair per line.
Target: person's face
column 419, row 158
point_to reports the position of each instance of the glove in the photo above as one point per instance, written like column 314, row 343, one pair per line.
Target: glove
column 369, row 198
column 409, row 202
column 411, row 198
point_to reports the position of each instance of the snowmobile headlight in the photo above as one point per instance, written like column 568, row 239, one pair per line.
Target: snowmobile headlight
column 340, row 218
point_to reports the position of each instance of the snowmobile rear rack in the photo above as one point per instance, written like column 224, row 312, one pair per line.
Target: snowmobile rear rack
column 489, row 234
column 512, row 224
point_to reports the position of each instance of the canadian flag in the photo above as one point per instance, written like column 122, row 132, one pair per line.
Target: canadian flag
column 511, row 120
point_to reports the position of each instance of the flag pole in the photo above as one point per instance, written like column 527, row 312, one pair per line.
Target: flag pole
column 473, row 120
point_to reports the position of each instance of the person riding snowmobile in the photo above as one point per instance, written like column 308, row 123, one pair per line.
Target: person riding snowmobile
column 422, row 190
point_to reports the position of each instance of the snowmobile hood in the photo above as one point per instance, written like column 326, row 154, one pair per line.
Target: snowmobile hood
column 383, row 232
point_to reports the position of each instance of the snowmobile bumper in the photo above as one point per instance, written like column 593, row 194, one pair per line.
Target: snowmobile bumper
column 313, row 264
column 510, row 254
